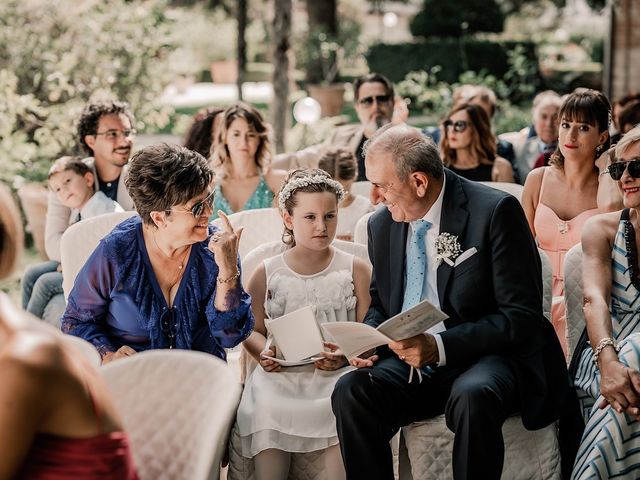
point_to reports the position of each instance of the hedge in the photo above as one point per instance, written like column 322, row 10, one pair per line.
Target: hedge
column 454, row 56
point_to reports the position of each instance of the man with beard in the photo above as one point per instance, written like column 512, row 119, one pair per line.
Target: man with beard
column 105, row 132
column 373, row 101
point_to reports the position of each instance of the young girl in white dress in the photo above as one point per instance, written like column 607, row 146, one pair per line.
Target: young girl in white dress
column 288, row 409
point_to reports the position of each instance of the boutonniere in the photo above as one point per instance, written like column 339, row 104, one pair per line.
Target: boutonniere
column 447, row 249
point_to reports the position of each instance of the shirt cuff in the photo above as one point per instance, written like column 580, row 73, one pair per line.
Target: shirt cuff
column 441, row 353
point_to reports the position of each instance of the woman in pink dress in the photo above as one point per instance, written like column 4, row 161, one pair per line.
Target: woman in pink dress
column 57, row 419
column 559, row 199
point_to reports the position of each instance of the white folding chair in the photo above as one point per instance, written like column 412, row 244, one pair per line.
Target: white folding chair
column 80, row 240
column 360, row 235
column 573, row 296
column 514, row 189
column 260, row 226
column 177, row 407
column 547, row 284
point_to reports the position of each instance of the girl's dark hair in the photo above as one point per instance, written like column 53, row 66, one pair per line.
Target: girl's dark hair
column 483, row 141
column 341, row 164
column 163, row 175
column 290, row 203
column 586, row 106
column 200, row 136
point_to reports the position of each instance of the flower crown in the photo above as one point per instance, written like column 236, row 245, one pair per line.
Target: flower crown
column 297, row 183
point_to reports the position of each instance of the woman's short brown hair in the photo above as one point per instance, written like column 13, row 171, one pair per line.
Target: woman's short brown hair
column 483, row 141
column 220, row 153
column 161, row 176
column 11, row 235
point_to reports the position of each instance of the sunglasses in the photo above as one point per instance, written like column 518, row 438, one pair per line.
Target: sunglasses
column 459, row 126
column 198, row 208
column 169, row 327
column 368, row 101
column 616, row 170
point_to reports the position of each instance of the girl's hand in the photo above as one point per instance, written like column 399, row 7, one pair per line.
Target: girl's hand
column 122, row 352
column 333, row 359
column 224, row 245
column 267, row 364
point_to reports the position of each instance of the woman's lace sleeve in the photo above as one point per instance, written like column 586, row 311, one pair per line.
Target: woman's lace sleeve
column 85, row 315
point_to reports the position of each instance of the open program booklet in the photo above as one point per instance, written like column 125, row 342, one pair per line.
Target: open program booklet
column 355, row 338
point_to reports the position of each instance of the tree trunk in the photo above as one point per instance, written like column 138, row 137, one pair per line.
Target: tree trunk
column 242, row 44
column 322, row 17
column 280, row 104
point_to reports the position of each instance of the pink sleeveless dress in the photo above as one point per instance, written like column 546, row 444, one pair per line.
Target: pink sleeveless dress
column 556, row 236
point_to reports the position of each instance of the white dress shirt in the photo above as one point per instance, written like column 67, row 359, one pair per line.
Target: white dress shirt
column 430, row 286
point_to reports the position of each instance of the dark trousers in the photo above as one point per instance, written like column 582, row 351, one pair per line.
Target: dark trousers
column 371, row 404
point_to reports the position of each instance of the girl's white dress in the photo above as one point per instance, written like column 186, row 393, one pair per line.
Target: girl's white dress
column 290, row 410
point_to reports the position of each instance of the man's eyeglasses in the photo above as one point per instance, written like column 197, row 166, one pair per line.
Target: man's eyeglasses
column 368, row 101
column 616, row 169
column 116, row 134
column 198, row 208
column 458, row 126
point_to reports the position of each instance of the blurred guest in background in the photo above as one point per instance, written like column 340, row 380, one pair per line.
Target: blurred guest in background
column 202, row 132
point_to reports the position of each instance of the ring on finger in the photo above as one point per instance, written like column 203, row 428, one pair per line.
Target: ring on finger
column 403, row 358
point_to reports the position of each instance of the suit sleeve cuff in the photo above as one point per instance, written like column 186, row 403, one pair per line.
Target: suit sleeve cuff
column 441, row 353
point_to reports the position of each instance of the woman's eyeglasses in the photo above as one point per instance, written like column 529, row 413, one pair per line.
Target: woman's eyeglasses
column 458, row 126
column 368, row 101
column 616, row 169
column 169, row 327
column 198, row 208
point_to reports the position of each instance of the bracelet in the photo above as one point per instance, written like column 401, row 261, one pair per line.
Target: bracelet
column 230, row 279
column 605, row 342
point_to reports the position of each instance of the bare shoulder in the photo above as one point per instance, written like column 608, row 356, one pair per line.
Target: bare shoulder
column 275, row 178
column 600, row 228
column 502, row 162
column 360, row 267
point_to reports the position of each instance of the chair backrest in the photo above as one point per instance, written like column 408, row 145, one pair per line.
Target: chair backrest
column 85, row 348
column 573, row 296
column 80, row 240
column 177, row 407
column 361, row 188
column 547, row 284
column 514, row 189
column 360, row 235
column 260, row 226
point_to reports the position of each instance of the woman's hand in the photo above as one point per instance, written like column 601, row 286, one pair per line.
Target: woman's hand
column 123, row 351
column 332, row 360
column 620, row 387
column 367, row 359
column 267, row 364
column 224, row 245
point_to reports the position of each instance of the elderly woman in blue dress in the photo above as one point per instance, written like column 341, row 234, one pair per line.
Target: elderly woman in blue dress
column 608, row 372
column 165, row 279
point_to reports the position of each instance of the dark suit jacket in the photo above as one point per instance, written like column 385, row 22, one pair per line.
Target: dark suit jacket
column 493, row 299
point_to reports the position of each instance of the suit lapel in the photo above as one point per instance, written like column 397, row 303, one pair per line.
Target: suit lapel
column 397, row 245
column 453, row 220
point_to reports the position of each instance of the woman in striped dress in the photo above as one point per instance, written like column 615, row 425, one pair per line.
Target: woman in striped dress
column 609, row 372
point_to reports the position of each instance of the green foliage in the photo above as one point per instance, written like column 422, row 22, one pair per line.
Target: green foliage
column 452, row 55
column 51, row 63
column 455, row 19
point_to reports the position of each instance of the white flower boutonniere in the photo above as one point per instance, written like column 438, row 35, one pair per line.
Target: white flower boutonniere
column 447, row 249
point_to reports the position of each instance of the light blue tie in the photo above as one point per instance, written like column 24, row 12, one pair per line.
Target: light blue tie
column 416, row 264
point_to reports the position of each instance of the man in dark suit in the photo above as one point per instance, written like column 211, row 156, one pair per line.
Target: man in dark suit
column 494, row 356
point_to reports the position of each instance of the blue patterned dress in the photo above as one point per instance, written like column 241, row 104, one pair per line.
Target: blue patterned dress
column 610, row 445
column 261, row 197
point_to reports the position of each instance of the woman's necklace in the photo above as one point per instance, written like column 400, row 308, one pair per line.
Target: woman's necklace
column 180, row 263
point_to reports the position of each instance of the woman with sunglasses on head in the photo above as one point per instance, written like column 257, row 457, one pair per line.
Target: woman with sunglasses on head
column 468, row 146
column 241, row 158
column 57, row 419
column 608, row 371
column 165, row 279
column 559, row 199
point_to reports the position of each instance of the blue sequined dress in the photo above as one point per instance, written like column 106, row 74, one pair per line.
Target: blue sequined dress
column 116, row 300
column 261, row 197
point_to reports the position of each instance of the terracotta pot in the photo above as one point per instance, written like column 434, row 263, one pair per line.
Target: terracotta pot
column 224, row 71
column 330, row 98
column 33, row 198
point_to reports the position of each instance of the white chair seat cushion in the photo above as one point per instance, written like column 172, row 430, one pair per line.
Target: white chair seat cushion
column 528, row 454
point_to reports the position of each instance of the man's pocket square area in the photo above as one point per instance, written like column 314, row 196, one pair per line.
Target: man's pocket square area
column 465, row 256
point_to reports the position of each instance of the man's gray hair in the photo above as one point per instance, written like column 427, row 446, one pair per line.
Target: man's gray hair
column 410, row 150
column 628, row 140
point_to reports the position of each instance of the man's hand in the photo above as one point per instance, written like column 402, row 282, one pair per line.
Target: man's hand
column 123, row 351
column 620, row 387
column 417, row 351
